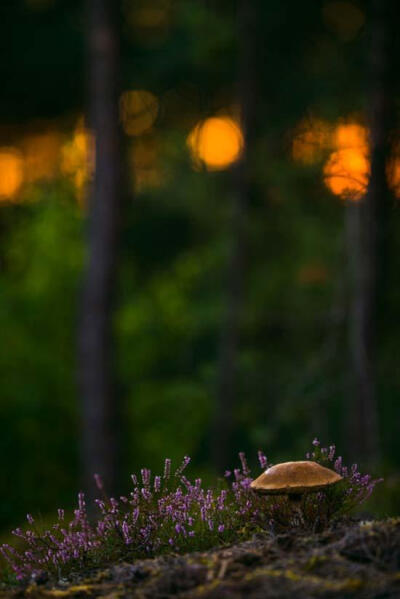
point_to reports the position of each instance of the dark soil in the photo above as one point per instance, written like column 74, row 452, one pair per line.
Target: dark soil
column 351, row 560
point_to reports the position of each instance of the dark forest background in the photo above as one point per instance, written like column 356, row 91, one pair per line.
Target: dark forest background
column 199, row 239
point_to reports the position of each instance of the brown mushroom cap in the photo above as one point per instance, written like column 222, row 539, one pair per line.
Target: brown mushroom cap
column 294, row 478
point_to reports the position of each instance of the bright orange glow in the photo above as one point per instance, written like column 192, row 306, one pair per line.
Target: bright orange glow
column 393, row 174
column 311, row 139
column 11, row 172
column 346, row 173
column 216, row 142
column 347, row 169
column 78, row 157
column 42, row 155
column 351, row 136
column 138, row 109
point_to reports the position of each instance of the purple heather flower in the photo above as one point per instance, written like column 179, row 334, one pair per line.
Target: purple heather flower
column 182, row 467
column 338, row 464
column 221, row 499
column 237, row 474
column 167, row 468
column 99, row 482
column 315, row 442
column 101, row 505
column 81, row 501
column 145, row 476
column 30, row 519
column 18, row 533
column 146, row 494
column 125, row 532
column 262, row 459
column 243, row 461
column 221, row 528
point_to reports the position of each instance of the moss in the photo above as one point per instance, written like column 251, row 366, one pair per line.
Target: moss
column 315, row 561
column 351, row 560
column 348, row 584
column 206, row 588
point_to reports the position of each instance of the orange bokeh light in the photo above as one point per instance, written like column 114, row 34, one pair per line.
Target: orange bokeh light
column 346, row 172
column 393, row 173
column 216, row 142
column 11, row 172
column 351, row 135
column 78, row 157
column 42, row 155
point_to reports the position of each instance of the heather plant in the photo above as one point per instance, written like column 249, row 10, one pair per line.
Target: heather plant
column 317, row 510
column 170, row 513
column 352, row 491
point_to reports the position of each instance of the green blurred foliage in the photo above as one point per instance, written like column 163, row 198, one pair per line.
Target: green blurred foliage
column 41, row 262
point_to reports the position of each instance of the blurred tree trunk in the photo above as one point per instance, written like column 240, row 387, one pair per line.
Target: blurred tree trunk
column 366, row 228
column 95, row 335
column 229, row 340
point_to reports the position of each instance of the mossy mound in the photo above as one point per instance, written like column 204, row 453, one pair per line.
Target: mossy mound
column 349, row 560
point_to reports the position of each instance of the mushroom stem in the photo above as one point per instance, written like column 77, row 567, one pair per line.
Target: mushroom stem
column 295, row 502
column 295, row 498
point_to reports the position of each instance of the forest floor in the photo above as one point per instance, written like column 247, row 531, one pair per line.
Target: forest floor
column 358, row 559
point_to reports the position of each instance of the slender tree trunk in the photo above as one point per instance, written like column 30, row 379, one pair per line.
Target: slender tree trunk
column 95, row 335
column 229, row 341
column 363, row 434
column 366, row 236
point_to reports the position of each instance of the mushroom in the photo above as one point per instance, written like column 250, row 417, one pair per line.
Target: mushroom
column 295, row 479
